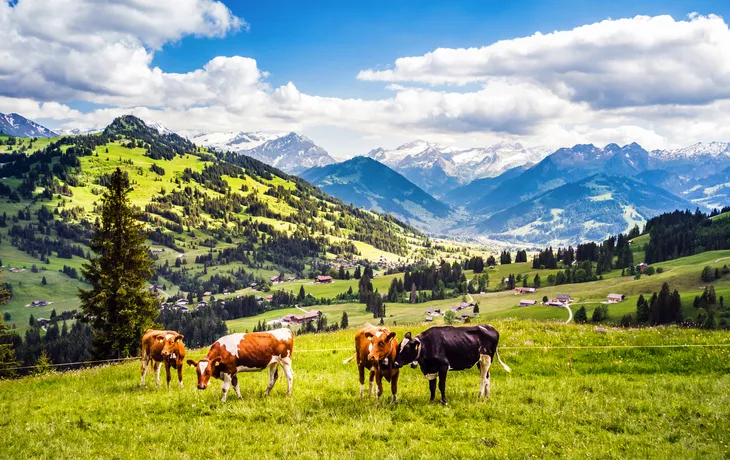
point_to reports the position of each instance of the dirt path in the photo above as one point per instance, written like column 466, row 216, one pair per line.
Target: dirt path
column 570, row 314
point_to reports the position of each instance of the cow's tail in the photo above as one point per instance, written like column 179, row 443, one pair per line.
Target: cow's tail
column 506, row 367
column 349, row 359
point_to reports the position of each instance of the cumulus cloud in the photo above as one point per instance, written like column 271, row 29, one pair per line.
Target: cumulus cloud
column 614, row 63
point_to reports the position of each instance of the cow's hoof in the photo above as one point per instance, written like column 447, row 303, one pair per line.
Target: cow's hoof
column 443, row 402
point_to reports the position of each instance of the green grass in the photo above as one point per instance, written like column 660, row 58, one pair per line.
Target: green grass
column 596, row 403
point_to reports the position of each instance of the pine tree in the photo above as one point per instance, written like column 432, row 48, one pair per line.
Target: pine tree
column 118, row 306
column 344, row 322
column 537, row 281
column 581, row 316
column 7, row 353
column 414, row 293
column 302, row 295
column 43, row 281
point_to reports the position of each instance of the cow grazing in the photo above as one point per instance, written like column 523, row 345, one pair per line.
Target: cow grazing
column 375, row 349
column 163, row 347
column 440, row 349
column 249, row 352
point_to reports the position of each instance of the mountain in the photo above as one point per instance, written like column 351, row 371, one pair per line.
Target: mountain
column 290, row 152
column 587, row 210
column 564, row 166
column 476, row 189
column 208, row 213
column 439, row 168
column 18, row 126
column 234, row 141
column 693, row 162
column 367, row 183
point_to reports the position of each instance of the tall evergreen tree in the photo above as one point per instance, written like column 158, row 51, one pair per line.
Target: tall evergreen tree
column 118, row 306
column 7, row 354
column 344, row 322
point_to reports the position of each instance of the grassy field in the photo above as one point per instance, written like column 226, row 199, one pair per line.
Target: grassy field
column 569, row 403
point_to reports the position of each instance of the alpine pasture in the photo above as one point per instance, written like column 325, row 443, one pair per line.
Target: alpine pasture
column 604, row 402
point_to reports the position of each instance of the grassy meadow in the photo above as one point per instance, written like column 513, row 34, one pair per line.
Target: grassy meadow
column 569, row 403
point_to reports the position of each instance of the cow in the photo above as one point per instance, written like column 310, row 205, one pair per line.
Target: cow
column 249, row 352
column 163, row 347
column 375, row 349
column 440, row 349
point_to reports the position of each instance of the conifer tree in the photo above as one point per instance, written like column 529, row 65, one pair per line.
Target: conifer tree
column 7, row 354
column 118, row 307
column 344, row 322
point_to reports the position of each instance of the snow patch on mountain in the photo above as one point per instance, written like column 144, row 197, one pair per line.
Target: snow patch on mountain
column 714, row 149
column 234, row 141
column 16, row 125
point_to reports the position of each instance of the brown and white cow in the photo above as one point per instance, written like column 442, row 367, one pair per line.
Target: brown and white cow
column 375, row 349
column 249, row 352
column 161, row 347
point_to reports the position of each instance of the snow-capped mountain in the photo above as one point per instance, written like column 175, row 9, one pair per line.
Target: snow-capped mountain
column 159, row 127
column 438, row 168
column 79, row 131
column 234, row 141
column 714, row 149
column 291, row 153
column 16, row 125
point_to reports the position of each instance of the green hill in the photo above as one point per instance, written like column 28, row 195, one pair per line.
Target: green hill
column 217, row 222
column 556, row 402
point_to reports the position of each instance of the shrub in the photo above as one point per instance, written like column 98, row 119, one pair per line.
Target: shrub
column 581, row 316
column 660, row 270
column 626, row 321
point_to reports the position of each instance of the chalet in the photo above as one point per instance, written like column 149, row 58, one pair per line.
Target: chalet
column 207, row 294
column 43, row 322
column 462, row 306
column 555, row 303
column 525, row 290
column 300, row 319
column 269, row 298
column 324, row 279
column 17, row 270
column 527, row 303
column 433, row 312
column 183, row 309
column 202, row 303
column 428, row 319
column 226, row 292
column 291, row 278
column 468, row 314
column 39, row 303
column 157, row 251
column 564, row 298
column 180, row 256
column 616, row 298
column 643, row 266
column 276, row 279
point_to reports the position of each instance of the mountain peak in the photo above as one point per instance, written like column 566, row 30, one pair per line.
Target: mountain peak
column 16, row 125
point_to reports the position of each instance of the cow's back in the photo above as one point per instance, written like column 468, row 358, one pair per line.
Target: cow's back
column 255, row 350
column 460, row 346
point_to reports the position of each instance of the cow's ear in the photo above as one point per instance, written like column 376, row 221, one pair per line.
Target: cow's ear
column 191, row 362
column 407, row 336
column 179, row 337
column 391, row 336
column 217, row 361
column 368, row 335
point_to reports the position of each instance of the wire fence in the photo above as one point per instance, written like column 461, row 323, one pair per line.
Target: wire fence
column 329, row 350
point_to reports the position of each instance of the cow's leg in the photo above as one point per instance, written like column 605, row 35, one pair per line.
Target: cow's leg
column 361, row 370
column 145, row 367
column 372, row 377
column 379, row 383
column 485, row 362
column 226, row 385
column 432, row 387
column 286, row 365
column 442, row 386
column 167, row 371
column 234, row 382
column 158, row 368
column 273, row 375
column 394, row 387
column 179, row 374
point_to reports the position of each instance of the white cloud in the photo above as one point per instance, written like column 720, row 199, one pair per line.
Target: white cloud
column 613, row 63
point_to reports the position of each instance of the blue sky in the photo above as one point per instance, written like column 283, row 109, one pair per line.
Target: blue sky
column 323, row 48
column 331, row 70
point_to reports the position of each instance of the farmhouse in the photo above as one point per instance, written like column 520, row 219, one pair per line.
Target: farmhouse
column 616, row 298
column 527, row 303
column 207, row 294
column 564, row 298
column 462, row 306
column 276, row 279
column 300, row 319
column 17, row 270
column 43, row 322
column 643, row 266
column 468, row 314
column 525, row 290
column 433, row 312
column 39, row 303
column 555, row 303
column 181, row 302
column 324, row 279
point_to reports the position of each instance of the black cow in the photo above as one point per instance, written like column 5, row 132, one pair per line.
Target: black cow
column 440, row 349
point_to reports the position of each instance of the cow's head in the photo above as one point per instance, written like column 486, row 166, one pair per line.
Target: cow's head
column 172, row 345
column 408, row 351
column 381, row 345
column 205, row 369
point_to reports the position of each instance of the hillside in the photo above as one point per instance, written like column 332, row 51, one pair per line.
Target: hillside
column 587, row 210
column 649, row 402
column 215, row 224
column 372, row 185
